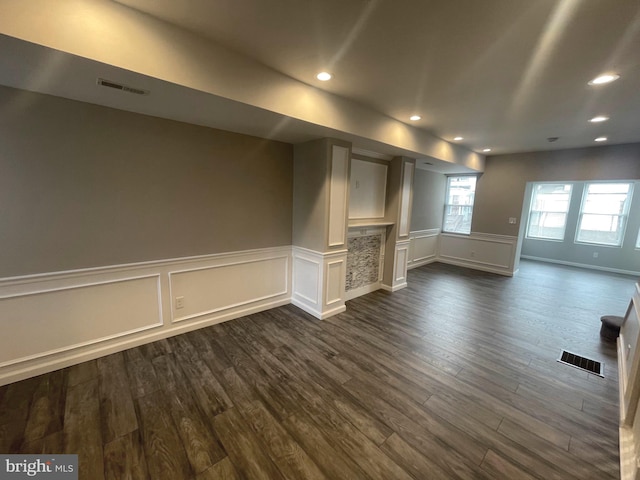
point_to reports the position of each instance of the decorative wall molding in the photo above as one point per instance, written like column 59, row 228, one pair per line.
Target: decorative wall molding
column 319, row 281
column 86, row 313
column 480, row 251
column 60, row 319
column 401, row 258
column 404, row 213
column 423, row 247
column 215, row 288
column 338, row 195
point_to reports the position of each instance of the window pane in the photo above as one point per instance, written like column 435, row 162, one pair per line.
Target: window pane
column 548, row 211
column 458, row 208
column 461, row 190
column 606, row 198
column 457, row 218
column 604, row 229
column 604, row 213
column 547, row 225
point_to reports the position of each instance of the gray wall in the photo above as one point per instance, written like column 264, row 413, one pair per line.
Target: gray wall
column 311, row 192
column 625, row 258
column 84, row 186
column 501, row 188
column 429, row 189
column 501, row 193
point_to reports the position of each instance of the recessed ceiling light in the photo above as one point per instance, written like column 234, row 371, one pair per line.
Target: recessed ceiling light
column 324, row 76
column 604, row 78
column 601, row 139
column 457, row 139
column 599, row 118
column 486, row 149
column 415, row 118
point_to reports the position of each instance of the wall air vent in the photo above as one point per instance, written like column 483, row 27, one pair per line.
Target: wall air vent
column 122, row 88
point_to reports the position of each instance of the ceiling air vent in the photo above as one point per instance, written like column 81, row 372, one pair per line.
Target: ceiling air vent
column 122, row 88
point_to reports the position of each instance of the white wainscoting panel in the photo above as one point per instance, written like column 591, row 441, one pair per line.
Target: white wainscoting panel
column 334, row 284
column 49, row 321
column 319, row 281
column 37, row 324
column 481, row 251
column 405, row 199
column 208, row 290
column 306, row 278
column 401, row 258
column 423, row 247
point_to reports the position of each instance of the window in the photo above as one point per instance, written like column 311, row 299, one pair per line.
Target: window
column 548, row 211
column 603, row 215
column 458, row 206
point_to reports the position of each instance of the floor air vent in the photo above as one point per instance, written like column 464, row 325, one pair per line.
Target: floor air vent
column 582, row 363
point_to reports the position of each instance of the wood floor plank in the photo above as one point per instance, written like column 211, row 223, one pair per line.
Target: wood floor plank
column 316, row 384
column 200, row 443
column 223, row 470
column 142, row 377
column 118, row 413
column 246, row 452
column 500, row 467
column 124, row 458
column 207, row 390
column 286, row 453
column 320, row 448
column 453, row 377
column 546, row 450
column 47, row 407
column 82, row 429
column 164, row 451
column 413, row 462
column 81, row 373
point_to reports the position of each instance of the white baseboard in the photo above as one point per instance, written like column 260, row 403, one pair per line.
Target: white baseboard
column 581, row 265
column 422, row 262
column 60, row 319
column 357, row 292
column 394, row 288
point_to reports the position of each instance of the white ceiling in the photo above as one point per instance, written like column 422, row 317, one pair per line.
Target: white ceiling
column 504, row 74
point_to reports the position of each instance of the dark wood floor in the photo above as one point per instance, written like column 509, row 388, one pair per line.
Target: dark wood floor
column 452, row 377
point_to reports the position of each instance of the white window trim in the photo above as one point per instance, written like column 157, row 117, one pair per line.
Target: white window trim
column 625, row 214
column 446, row 204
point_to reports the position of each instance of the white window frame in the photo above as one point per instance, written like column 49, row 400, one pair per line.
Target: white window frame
column 531, row 211
column 447, row 205
column 624, row 214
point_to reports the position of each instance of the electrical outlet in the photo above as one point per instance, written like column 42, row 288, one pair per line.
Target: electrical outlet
column 595, row 254
column 473, row 254
column 179, row 302
column 513, row 220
